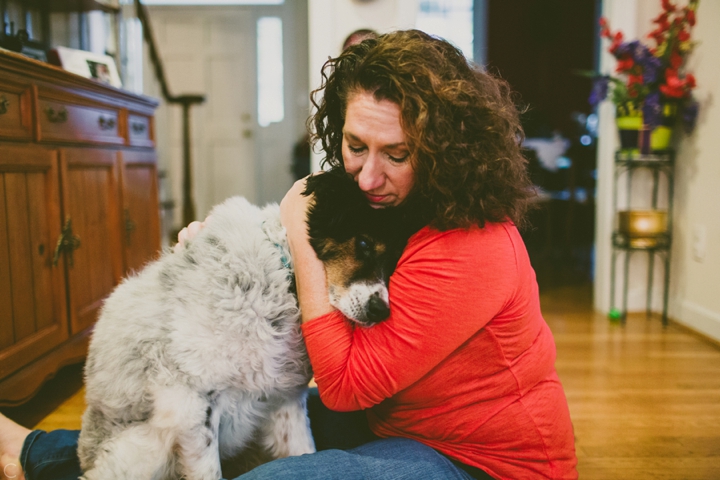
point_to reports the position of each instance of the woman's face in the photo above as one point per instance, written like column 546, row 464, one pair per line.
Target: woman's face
column 374, row 150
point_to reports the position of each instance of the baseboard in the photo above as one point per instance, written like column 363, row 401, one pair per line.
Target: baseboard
column 699, row 319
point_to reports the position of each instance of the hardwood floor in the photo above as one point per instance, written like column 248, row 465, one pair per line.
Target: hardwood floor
column 645, row 400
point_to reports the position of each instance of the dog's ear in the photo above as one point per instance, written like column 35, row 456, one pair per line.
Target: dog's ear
column 336, row 196
column 337, row 208
column 336, row 185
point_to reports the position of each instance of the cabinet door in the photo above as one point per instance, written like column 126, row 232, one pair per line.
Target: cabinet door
column 141, row 214
column 33, row 314
column 91, row 202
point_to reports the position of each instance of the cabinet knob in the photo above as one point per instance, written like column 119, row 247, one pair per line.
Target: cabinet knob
column 59, row 116
column 4, row 104
column 106, row 123
column 67, row 243
column 138, row 127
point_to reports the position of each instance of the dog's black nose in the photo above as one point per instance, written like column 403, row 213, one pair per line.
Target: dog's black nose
column 377, row 309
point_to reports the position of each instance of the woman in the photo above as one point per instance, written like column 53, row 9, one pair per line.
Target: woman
column 460, row 381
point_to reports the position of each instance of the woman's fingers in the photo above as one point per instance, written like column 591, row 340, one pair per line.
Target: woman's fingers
column 189, row 232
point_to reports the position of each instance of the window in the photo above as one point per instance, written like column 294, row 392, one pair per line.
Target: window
column 448, row 19
column 271, row 100
column 198, row 3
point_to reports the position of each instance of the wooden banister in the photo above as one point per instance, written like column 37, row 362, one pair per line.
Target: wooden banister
column 186, row 101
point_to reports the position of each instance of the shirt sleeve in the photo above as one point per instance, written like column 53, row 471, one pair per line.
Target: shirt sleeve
column 446, row 287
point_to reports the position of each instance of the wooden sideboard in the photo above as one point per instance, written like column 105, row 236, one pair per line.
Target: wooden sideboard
column 78, row 211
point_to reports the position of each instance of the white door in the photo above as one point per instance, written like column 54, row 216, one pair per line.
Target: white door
column 212, row 51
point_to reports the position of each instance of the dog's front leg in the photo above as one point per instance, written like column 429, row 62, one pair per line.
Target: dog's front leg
column 287, row 430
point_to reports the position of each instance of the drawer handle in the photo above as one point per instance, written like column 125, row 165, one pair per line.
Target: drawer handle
column 67, row 243
column 138, row 127
column 106, row 123
column 130, row 226
column 4, row 104
column 60, row 116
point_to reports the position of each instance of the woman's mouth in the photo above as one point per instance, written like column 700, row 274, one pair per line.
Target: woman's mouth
column 375, row 200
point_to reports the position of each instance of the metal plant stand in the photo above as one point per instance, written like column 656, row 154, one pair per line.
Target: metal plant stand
column 627, row 161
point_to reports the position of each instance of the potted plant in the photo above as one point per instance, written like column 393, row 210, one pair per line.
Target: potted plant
column 651, row 87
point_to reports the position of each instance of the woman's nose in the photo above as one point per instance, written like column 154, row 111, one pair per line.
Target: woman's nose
column 371, row 174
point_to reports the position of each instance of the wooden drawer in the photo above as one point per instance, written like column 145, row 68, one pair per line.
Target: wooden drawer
column 140, row 131
column 70, row 122
column 15, row 113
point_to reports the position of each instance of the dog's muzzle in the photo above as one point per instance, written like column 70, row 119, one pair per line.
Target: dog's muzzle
column 377, row 309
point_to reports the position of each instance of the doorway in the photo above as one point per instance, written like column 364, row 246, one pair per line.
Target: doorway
column 539, row 46
column 213, row 51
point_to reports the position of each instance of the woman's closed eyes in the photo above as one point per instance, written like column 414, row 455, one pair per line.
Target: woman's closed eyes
column 360, row 150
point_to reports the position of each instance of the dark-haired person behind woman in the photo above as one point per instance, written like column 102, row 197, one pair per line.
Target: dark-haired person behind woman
column 460, row 381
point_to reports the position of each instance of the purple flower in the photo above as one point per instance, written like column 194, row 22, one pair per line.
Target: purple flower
column 651, row 65
column 638, row 51
column 599, row 90
column 689, row 114
column 652, row 110
column 624, row 49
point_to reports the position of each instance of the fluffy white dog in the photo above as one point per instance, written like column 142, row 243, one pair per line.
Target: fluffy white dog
column 201, row 354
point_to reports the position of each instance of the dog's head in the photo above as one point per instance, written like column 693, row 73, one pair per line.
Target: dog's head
column 359, row 245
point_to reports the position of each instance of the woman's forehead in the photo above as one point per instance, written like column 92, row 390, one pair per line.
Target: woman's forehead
column 367, row 116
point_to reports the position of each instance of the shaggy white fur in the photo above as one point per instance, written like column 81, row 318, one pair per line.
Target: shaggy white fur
column 198, row 355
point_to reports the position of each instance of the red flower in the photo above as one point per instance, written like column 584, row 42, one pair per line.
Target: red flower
column 690, row 17
column 604, row 28
column 635, row 80
column 690, row 80
column 662, row 21
column 625, row 64
column 617, row 40
column 683, row 36
column 658, row 35
column 674, row 87
column 667, row 6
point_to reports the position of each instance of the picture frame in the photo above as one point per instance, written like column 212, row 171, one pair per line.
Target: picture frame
column 34, row 53
column 91, row 65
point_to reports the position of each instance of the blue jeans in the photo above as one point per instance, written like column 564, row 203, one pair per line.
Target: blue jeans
column 347, row 450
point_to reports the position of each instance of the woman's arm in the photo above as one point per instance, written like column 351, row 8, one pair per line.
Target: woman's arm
column 445, row 289
column 309, row 271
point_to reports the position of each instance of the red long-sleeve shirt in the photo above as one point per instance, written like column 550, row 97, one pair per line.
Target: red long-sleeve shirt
column 464, row 364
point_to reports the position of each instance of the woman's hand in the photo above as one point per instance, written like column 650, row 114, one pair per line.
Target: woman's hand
column 189, row 232
column 309, row 270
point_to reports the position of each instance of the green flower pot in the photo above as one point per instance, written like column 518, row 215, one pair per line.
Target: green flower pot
column 637, row 137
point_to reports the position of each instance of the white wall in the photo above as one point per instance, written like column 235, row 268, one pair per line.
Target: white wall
column 331, row 21
column 694, row 282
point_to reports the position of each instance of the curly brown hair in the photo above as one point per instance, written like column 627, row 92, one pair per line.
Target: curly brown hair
column 461, row 125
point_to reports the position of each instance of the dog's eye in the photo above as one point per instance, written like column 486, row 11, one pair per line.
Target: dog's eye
column 364, row 247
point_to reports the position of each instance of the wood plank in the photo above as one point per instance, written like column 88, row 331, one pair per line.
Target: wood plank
column 92, row 203
column 41, row 250
column 141, row 204
column 644, row 400
column 20, row 256
column 7, row 336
